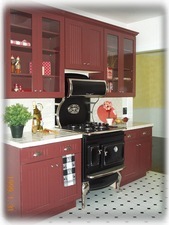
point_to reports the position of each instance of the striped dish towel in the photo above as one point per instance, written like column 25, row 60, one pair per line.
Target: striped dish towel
column 69, row 176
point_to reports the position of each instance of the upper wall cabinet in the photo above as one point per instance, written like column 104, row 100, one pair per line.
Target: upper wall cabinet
column 83, row 46
column 120, row 56
column 34, row 54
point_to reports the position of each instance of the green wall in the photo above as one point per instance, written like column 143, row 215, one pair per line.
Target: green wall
column 150, row 83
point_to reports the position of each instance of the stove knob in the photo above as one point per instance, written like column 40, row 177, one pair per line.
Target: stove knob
column 116, row 149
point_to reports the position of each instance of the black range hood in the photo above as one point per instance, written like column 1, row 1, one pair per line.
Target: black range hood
column 81, row 85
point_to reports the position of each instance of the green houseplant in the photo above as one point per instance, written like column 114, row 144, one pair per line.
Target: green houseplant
column 16, row 116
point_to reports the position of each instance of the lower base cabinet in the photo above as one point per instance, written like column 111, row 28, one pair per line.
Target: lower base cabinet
column 137, row 154
column 35, row 182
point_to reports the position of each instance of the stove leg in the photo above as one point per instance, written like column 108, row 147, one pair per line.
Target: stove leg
column 118, row 182
column 85, row 189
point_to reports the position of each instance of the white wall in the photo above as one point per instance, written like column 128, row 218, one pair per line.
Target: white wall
column 151, row 34
column 117, row 103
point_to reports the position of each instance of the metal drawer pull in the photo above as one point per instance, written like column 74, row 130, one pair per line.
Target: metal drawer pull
column 129, row 136
column 144, row 133
column 56, row 165
column 36, row 154
column 138, row 145
column 68, row 148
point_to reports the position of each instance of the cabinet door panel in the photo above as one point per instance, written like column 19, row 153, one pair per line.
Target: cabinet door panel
column 94, row 55
column 145, row 154
column 35, row 189
column 73, row 41
column 18, row 29
column 51, row 72
column 131, row 162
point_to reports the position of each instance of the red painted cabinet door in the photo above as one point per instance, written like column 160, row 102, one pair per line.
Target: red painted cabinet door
column 40, row 186
column 131, row 162
column 83, row 46
column 145, row 154
column 73, row 44
column 93, row 48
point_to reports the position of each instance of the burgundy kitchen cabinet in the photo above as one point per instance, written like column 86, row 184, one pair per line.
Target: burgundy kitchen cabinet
column 34, row 179
column 137, row 154
column 36, row 38
column 83, row 45
column 120, row 60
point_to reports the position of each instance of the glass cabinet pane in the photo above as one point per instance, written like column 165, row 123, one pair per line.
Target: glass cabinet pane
column 112, row 62
column 21, row 51
column 128, row 65
column 50, row 54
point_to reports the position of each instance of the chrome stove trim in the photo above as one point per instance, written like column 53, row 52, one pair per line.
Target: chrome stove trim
column 106, row 172
column 57, row 112
column 86, row 185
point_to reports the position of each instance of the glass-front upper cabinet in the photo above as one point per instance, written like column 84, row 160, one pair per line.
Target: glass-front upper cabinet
column 34, row 52
column 50, row 54
column 21, row 51
column 128, row 74
column 120, row 70
column 112, row 62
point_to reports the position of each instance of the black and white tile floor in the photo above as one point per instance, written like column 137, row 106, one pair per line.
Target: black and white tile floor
column 144, row 200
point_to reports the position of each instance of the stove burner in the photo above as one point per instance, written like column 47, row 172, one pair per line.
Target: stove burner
column 89, row 127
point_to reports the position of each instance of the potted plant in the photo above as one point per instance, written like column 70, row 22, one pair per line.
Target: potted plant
column 16, row 116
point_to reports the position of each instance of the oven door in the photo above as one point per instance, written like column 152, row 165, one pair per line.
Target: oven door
column 113, row 154
column 93, row 156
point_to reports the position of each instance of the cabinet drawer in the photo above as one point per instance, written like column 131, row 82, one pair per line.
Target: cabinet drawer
column 130, row 135
column 69, row 147
column 145, row 132
column 38, row 153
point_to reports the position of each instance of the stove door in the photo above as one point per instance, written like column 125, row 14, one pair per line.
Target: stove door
column 93, row 156
column 113, row 154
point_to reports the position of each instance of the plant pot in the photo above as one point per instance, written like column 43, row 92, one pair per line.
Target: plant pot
column 17, row 131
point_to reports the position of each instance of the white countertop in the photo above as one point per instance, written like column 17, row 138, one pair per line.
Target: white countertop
column 130, row 125
column 30, row 140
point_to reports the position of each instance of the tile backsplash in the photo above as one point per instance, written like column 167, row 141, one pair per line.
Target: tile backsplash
column 118, row 105
column 48, row 112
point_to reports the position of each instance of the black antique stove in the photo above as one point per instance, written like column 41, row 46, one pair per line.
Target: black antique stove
column 102, row 145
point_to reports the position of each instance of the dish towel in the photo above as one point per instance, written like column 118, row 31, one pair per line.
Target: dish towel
column 69, row 175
